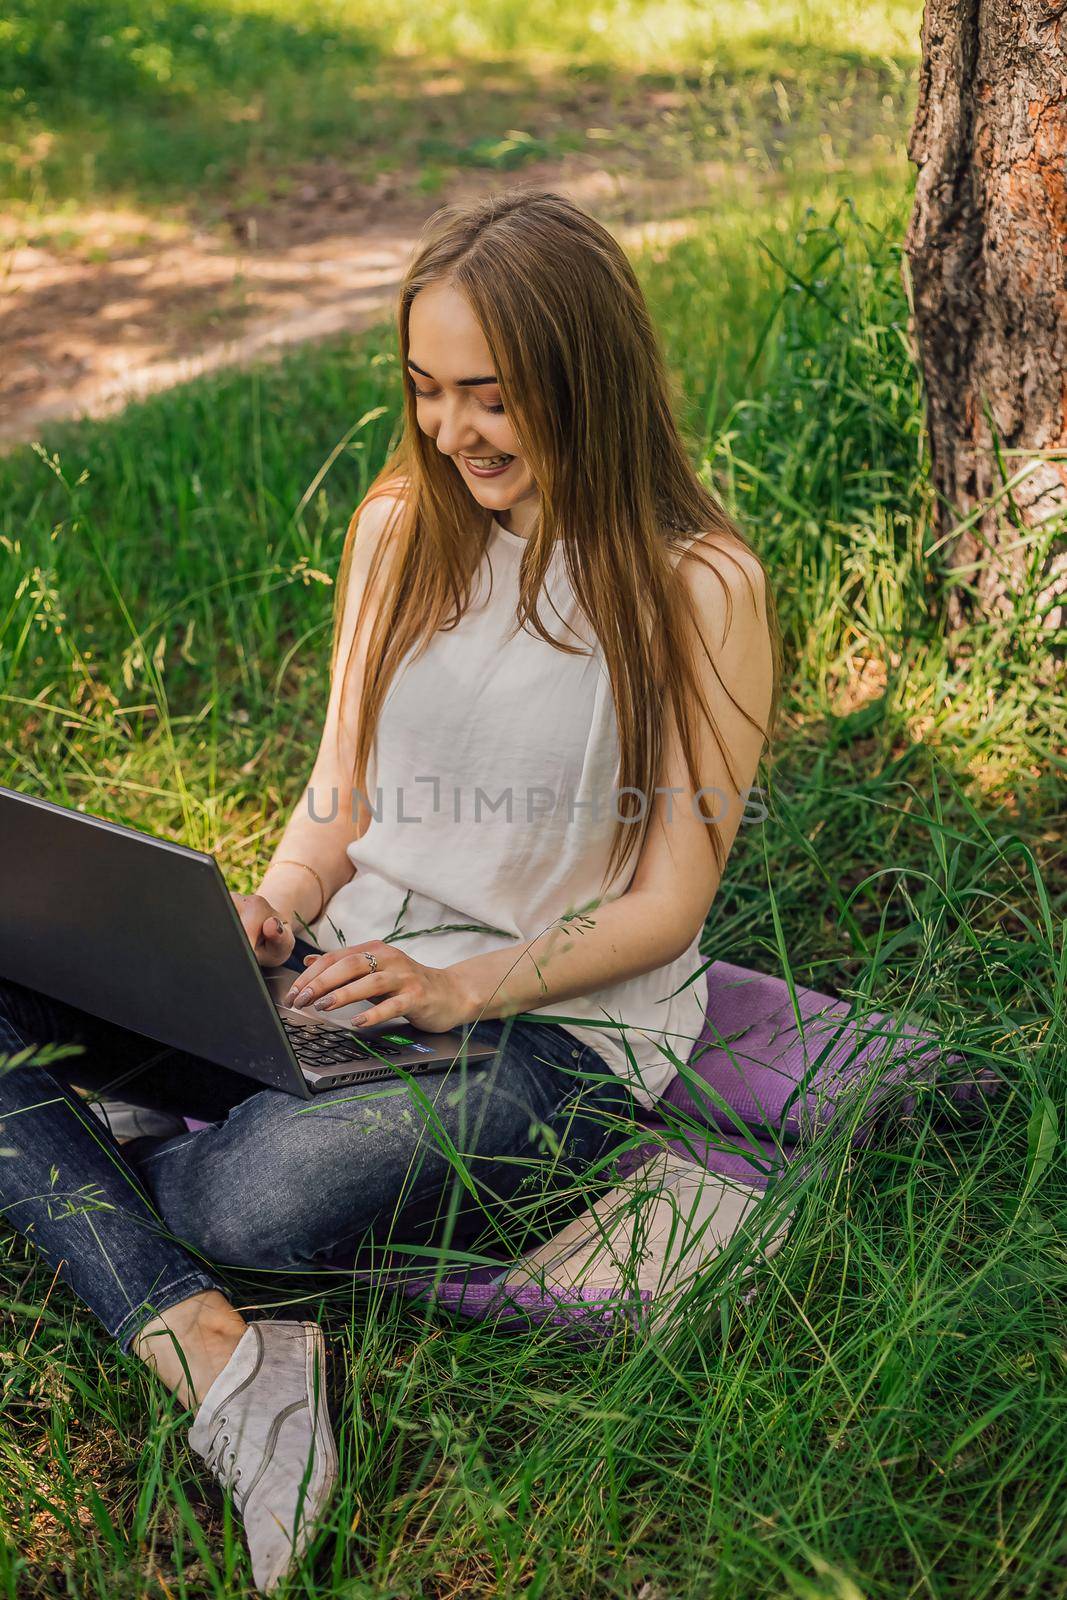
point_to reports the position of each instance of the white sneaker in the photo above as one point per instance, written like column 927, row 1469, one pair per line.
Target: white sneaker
column 264, row 1430
column 128, row 1121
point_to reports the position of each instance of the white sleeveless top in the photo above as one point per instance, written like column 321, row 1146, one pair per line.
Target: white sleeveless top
column 494, row 797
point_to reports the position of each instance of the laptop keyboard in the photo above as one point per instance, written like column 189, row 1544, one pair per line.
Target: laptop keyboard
column 330, row 1047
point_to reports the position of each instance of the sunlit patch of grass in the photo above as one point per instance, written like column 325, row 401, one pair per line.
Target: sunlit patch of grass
column 191, row 106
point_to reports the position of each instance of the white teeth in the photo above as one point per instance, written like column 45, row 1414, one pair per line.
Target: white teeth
column 487, row 461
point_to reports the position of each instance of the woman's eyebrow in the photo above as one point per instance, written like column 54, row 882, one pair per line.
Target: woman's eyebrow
column 461, row 383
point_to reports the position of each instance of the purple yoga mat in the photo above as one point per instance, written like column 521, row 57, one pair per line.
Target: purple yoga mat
column 755, row 1064
column 587, row 1313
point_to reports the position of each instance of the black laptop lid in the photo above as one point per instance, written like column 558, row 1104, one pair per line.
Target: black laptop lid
column 138, row 931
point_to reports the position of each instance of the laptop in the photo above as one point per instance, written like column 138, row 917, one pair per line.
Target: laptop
column 143, row 933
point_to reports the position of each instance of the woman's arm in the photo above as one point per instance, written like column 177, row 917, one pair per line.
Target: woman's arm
column 676, row 878
column 324, row 821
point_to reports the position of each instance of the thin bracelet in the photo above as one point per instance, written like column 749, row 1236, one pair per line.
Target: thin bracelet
column 289, row 861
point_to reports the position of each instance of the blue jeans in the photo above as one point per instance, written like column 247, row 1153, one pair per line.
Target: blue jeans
column 277, row 1182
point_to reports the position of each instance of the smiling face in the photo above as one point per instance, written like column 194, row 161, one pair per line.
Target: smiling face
column 458, row 404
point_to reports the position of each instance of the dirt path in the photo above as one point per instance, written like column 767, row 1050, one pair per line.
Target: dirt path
column 116, row 304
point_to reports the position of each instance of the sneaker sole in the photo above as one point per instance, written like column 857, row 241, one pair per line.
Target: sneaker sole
column 324, row 1449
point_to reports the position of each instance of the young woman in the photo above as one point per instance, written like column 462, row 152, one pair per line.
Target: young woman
column 553, row 673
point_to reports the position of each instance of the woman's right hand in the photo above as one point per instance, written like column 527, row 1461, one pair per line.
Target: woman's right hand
column 271, row 938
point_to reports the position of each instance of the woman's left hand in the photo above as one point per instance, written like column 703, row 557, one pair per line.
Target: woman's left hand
column 403, row 987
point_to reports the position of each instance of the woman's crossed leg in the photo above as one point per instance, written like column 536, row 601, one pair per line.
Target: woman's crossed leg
column 285, row 1184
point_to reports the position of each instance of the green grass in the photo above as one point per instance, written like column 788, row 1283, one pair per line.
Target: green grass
column 885, row 1418
column 887, row 1412
column 200, row 105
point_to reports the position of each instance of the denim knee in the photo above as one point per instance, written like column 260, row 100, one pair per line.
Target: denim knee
column 262, row 1238
column 242, row 1203
column 237, row 1222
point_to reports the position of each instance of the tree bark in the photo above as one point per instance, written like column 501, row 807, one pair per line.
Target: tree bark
column 987, row 248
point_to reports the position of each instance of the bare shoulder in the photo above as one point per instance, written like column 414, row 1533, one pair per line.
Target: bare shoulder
column 367, row 561
column 377, row 515
column 371, row 531
column 728, row 586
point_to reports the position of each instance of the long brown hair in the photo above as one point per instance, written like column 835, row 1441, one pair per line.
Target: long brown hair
column 586, row 389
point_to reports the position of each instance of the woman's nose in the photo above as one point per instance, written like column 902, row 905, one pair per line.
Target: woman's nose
column 455, row 432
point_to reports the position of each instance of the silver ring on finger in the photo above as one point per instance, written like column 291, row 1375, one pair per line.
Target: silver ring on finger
column 373, row 959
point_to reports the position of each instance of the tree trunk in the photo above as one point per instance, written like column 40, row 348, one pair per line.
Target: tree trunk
column 987, row 246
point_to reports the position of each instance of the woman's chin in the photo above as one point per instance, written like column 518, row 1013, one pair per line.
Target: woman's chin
column 494, row 499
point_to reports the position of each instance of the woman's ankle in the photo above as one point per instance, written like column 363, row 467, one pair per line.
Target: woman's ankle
column 189, row 1344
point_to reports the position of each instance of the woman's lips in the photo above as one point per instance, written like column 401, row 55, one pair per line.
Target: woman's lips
column 487, row 472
